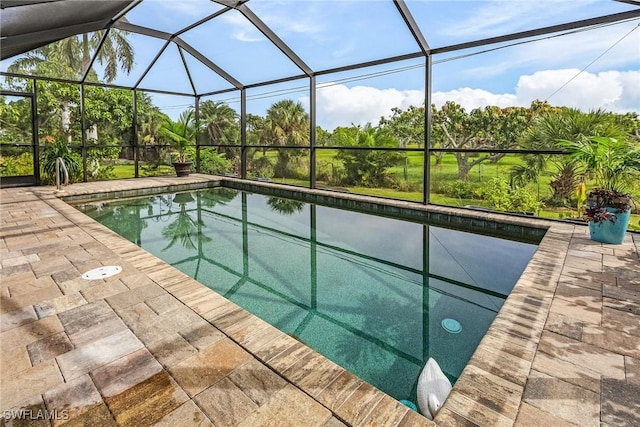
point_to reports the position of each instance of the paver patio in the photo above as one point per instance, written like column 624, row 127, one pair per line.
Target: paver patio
column 150, row 346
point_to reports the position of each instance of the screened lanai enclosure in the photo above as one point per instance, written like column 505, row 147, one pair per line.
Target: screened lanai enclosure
column 455, row 103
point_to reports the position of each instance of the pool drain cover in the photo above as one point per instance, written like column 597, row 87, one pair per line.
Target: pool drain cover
column 452, row 326
column 102, row 272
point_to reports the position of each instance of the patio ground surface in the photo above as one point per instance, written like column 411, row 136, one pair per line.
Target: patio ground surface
column 150, row 346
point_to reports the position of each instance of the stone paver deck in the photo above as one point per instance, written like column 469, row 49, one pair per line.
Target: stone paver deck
column 150, row 346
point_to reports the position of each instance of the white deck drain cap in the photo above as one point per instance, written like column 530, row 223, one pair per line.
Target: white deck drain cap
column 102, row 272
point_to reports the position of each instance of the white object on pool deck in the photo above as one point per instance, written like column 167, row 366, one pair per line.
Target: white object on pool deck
column 102, row 272
column 433, row 389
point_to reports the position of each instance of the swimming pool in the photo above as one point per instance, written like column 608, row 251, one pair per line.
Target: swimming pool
column 377, row 295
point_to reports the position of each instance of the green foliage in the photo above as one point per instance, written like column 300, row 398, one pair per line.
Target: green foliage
column 581, row 198
column 461, row 189
column 481, row 128
column 287, row 123
column 501, row 197
column 182, row 133
column 554, row 125
column 15, row 166
column 406, row 125
column 367, row 167
column 221, row 122
column 60, row 149
column 214, row 163
column 614, row 163
column 260, row 167
column 70, row 57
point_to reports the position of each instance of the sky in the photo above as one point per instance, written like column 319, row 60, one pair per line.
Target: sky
column 592, row 69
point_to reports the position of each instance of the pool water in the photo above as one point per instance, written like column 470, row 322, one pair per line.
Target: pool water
column 376, row 295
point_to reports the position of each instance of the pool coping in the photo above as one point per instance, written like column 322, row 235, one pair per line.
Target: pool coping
column 501, row 363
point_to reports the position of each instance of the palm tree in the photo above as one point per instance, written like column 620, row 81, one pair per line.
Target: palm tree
column 184, row 228
column 286, row 124
column 222, row 126
column 221, row 120
column 71, row 57
column 150, row 121
column 182, row 133
column 553, row 126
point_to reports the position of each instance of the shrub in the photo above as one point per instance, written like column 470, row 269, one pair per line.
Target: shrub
column 502, row 197
column 214, row 163
column 60, row 148
column 18, row 165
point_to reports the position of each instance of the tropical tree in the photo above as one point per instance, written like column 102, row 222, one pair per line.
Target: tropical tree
column 221, row 122
column 554, row 125
column 406, row 125
column 181, row 133
column 368, row 167
column 183, row 228
column 286, row 124
column 481, row 128
column 285, row 206
column 71, row 58
column 223, row 128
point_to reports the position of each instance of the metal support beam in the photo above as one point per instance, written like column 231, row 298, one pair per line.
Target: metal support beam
column 133, row 28
column 411, row 24
column 83, row 126
column 136, row 149
column 186, row 68
column 273, row 38
column 616, row 17
column 312, row 131
column 35, row 137
column 95, row 55
column 198, row 134
column 160, row 52
column 243, row 134
column 207, row 62
column 426, row 170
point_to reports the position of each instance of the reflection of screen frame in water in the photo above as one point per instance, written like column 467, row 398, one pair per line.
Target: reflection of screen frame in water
column 393, row 360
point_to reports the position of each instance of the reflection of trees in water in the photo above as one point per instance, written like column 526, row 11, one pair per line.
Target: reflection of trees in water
column 379, row 320
column 393, row 323
column 124, row 218
column 285, row 206
column 184, row 228
column 217, row 196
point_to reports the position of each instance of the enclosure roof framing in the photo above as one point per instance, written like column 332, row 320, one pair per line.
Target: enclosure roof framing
column 584, row 23
column 31, row 24
column 27, row 25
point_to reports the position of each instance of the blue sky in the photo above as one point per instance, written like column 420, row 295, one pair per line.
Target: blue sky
column 590, row 69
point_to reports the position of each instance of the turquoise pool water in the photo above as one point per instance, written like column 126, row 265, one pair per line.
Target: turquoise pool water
column 376, row 295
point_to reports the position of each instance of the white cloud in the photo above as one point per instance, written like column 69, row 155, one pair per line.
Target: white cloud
column 339, row 105
column 473, row 98
column 616, row 91
column 243, row 30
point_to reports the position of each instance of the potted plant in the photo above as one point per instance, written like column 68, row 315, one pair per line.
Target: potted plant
column 612, row 162
column 182, row 137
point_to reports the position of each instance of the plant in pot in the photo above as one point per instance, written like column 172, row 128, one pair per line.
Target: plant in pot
column 182, row 137
column 613, row 163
